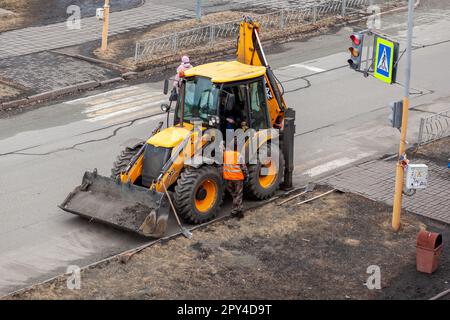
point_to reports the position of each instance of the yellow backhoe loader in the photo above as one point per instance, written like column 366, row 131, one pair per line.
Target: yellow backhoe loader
column 153, row 178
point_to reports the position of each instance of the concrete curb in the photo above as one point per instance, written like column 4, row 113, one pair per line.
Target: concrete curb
column 107, row 64
column 13, row 104
column 109, row 81
column 131, row 75
column 44, row 96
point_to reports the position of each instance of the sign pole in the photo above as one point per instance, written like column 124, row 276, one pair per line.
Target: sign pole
column 105, row 26
column 400, row 170
column 198, row 10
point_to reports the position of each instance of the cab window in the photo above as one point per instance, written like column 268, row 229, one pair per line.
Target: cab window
column 258, row 106
column 200, row 99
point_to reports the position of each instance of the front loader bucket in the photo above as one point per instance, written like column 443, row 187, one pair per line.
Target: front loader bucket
column 124, row 206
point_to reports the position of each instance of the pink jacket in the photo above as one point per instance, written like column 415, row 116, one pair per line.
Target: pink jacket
column 181, row 67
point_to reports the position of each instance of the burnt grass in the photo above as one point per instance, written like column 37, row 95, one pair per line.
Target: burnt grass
column 437, row 151
column 319, row 250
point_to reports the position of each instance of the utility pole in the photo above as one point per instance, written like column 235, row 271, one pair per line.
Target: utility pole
column 198, row 10
column 400, row 170
column 105, row 26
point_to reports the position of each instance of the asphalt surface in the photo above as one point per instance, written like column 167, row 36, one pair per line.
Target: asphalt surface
column 341, row 119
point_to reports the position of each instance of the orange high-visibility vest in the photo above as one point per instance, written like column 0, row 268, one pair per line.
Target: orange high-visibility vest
column 231, row 168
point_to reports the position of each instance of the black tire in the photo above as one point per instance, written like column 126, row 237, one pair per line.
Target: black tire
column 188, row 188
column 124, row 159
column 253, row 188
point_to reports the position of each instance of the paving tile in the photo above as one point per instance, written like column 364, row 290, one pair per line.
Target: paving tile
column 433, row 202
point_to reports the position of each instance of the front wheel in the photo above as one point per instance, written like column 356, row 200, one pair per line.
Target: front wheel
column 198, row 194
column 124, row 159
column 265, row 178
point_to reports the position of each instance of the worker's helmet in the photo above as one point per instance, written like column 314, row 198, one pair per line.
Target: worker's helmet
column 185, row 59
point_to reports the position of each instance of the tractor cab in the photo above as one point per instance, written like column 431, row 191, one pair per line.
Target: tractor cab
column 223, row 95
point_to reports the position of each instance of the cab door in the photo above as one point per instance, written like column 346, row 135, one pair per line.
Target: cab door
column 258, row 111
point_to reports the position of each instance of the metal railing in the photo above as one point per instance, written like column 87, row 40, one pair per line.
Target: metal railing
column 211, row 35
column 434, row 127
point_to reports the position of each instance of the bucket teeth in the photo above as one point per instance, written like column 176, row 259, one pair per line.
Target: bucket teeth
column 154, row 225
column 161, row 226
column 149, row 225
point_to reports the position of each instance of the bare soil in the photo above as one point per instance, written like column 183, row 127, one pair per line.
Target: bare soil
column 319, row 250
column 438, row 151
column 120, row 48
column 7, row 91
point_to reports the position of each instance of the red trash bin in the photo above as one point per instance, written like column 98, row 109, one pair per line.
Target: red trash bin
column 428, row 250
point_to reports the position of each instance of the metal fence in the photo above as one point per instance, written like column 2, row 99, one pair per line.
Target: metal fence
column 208, row 36
column 434, row 127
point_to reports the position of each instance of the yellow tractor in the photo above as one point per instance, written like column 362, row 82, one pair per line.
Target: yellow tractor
column 152, row 178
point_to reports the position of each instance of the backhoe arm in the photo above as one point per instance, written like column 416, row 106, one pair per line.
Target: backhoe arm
column 250, row 51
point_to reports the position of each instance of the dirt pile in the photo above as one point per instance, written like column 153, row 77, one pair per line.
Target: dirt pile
column 135, row 216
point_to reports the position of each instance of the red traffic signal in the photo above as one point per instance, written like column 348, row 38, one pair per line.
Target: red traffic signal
column 356, row 39
column 356, row 50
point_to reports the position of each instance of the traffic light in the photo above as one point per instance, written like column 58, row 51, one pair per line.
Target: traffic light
column 396, row 116
column 356, row 50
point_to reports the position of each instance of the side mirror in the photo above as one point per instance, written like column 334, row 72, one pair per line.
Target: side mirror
column 166, row 86
column 165, row 107
column 230, row 102
column 173, row 95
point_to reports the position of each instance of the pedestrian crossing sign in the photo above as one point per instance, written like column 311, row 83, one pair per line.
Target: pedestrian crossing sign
column 386, row 53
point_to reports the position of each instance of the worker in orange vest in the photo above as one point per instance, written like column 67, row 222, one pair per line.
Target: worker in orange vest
column 235, row 173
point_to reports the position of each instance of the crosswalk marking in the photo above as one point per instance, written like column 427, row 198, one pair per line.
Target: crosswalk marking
column 337, row 163
column 143, row 117
column 125, row 101
column 116, row 93
column 143, row 106
column 121, row 105
column 310, row 68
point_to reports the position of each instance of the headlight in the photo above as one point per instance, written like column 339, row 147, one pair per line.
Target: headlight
column 214, row 120
column 165, row 107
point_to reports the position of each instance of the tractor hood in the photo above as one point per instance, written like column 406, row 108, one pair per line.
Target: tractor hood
column 169, row 137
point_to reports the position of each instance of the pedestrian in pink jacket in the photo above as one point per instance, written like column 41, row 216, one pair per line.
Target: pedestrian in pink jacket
column 185, row 65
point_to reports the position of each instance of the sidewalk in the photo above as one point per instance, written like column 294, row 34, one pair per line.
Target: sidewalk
column 376, row 180
column 36, row 39
column 54, row 36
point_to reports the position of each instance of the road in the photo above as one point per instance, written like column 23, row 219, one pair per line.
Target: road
column 341, row 119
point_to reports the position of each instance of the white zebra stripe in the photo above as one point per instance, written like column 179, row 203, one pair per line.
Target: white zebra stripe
column 131, row 99
column 139, row 107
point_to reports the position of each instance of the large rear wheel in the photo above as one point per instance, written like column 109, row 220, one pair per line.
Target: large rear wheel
column 265, row 177
column 198, row 194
